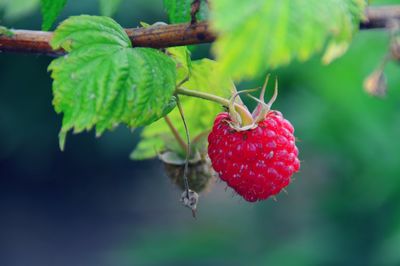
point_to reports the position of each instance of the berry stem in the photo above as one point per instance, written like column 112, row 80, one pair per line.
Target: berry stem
column 203, row 95
column 175, row 132
column 241, row 109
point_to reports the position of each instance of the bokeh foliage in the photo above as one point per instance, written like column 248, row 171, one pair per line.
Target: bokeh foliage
column 342, row 209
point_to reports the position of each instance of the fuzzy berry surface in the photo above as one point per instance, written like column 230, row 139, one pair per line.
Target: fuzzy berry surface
column 256, row 163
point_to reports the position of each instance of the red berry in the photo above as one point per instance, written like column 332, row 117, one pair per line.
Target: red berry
column 256, row 163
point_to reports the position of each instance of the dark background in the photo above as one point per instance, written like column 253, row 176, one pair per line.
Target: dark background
column 91, row 205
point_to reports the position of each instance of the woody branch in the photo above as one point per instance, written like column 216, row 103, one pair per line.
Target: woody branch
column 161, row 36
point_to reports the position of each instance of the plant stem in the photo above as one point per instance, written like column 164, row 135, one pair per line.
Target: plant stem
column 186, row 169
column 211, row 97
column 175, row 132
column 203, row 95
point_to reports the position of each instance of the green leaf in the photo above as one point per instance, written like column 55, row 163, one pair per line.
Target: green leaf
column 340, row 42
column 181, row 56
column 199, row 113
column 149, row 147
column 80, row 31
column 103, row 81
column 15, row 9
column 257, row 35
column 179, row 10
column 50, row 11
column 109, row 7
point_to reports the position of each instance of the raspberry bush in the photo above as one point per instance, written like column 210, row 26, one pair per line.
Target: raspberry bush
column 105, row 75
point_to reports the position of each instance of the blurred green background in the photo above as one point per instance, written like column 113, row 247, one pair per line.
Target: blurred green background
column 91, row 205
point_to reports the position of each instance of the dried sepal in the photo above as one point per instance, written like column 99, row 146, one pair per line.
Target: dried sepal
column 375, row 84
column 190, row 198
column 241, row 118
column 263, row 108
column 240, row 115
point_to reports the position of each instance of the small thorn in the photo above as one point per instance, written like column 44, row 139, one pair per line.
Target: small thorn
column 274, row 198
column 285, row 191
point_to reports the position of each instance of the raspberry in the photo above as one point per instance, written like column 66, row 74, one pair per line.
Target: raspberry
column 258, row 162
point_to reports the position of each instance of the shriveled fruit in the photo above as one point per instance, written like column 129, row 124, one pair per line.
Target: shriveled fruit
column 199, row 171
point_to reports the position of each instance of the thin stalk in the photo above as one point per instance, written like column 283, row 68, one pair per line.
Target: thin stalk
column 188, row 147
column 203, row 95
column 186, row 169
column 210, row 97
column 175, row 132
